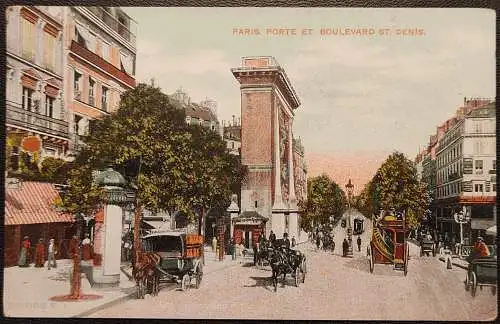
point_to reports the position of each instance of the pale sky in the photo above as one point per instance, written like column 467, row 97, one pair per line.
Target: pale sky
column 359, row 94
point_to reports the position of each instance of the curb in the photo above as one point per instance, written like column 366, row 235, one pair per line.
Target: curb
column 442, row 259
column 120, row 299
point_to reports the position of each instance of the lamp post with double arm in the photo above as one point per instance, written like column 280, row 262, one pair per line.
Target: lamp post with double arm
column 350, row 187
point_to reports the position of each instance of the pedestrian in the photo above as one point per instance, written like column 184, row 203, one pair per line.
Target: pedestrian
column 87, row 248
column 272, row 237
column 294, row 242
column 214, row 244
column 359, row 243
column 255, row 247
column 40, row 254
column 24, row 254
column 51, row 255
column 286, row 241
column 345, row 247
column 241, row 248
column 232, row 249
column 318, row 242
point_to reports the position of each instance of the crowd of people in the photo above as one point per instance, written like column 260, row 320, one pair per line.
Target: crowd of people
column 46, row 253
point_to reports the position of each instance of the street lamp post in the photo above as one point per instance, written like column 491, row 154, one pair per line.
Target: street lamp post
column 349, row 186
column 462, row 217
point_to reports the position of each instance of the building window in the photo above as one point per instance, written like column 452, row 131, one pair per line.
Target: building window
column 494, row 187
column 48, row 51
column 80, row 35
column 49, row 106
column 14, row 158
column 28, row 39
column 91, row 45
column 477, row 127
column 478, row 187
column 91, row 92
column 76, row 85
column 104, row 99
column 478, row 166
column 105, row 50
column 27, row 99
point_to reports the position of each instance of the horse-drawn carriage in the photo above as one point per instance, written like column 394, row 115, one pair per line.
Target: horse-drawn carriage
column 358, row 226
column 427, row 247
column 482, row 272
column 170, row 257
column 283, row 261
column 388, row 243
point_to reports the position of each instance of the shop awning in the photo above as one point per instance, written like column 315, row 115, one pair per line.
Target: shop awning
column 33, row 203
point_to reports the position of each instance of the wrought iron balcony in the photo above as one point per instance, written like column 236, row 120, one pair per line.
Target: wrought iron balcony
column 125, row 28
column 102, row 63
column 18, row 116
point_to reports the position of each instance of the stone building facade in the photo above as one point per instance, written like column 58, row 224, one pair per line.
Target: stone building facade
column 100, row 51
column 35, row 107
column 268, row 101
column 459, row 166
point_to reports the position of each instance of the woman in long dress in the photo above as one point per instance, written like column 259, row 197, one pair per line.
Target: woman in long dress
column 23, row 260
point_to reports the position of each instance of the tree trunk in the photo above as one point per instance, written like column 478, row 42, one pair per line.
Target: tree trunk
column 137, row 226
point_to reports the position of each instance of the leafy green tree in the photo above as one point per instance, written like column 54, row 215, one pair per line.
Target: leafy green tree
column 325, row 198
column 174, row 167
column 396, row 185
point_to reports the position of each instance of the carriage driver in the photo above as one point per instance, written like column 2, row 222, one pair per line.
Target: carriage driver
column 286, row 241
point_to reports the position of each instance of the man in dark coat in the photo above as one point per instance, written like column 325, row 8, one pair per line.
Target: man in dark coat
column 345, row 247
column 359, row 243
column 272, row 237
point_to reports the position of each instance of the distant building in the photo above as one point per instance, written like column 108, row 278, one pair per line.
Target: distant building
column 203, row 113
column 232, row 135
column 459, row 167
column 300, row 170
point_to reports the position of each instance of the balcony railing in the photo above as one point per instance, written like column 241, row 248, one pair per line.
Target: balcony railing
column 102, row 63
column 18, row 116
column 122, row 29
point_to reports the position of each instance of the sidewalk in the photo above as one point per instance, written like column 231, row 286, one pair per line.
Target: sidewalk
column 27, row 291
column 455, row 261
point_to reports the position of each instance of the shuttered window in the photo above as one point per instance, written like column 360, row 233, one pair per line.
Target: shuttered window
column 48, row 51
column 28, row 38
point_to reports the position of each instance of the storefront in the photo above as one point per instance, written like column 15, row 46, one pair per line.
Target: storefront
column 247, row 228
column 30, row 211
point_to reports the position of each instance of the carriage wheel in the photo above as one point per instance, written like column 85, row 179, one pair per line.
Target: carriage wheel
column 185, row 282
column 304, row 270
column 473, row 285
column 297, row 277
column 370, row 259
column 494, row 290
column 467, row 282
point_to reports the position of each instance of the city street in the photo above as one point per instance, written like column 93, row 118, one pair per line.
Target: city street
column 335, row 288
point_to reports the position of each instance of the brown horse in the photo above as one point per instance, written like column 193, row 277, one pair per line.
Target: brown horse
column 145, row 273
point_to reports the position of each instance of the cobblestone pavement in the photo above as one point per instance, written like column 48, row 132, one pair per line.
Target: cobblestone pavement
column 335, row 288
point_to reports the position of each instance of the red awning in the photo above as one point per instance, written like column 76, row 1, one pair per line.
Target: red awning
column 33, row 203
